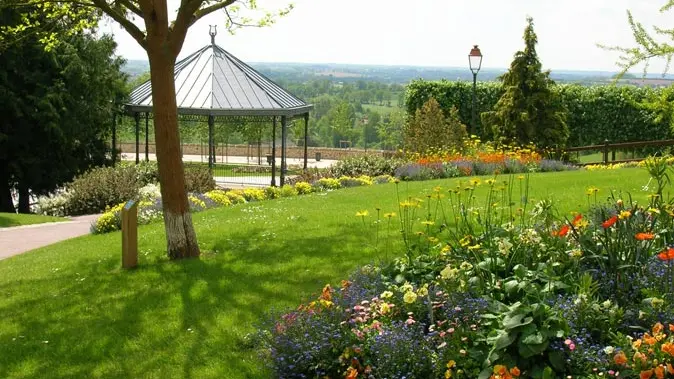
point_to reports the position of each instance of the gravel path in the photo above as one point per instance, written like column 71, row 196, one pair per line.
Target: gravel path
column 20, row 239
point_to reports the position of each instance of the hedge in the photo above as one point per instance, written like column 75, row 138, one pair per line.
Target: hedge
column 596, row 113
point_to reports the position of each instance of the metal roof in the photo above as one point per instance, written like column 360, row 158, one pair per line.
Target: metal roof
column 213, row 82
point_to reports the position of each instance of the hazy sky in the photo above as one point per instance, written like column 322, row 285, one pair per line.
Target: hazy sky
column 429, row 32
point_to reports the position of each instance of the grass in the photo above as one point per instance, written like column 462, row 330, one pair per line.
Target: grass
column 69, row 311
column 14, row 219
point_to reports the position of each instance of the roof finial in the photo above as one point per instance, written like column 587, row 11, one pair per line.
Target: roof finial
column 213, row 31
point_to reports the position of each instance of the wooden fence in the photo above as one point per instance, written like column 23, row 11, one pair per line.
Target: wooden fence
column 611, row 148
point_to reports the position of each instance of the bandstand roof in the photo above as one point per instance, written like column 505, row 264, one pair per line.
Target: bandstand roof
column 213, row 82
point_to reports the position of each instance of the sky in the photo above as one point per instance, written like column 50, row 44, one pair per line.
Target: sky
column 428, row 32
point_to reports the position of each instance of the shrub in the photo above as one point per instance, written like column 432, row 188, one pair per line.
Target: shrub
column 272, row 192
column 102, row 187
column 431, row 129
column 146, row 172
column 327, row 184
column 219, row 197
column 53, row 205
column 370, row 165
column 198, row 179
column 149, row 192
column 303, row 188
column 363, row 180
column 254, row 194
column 236, row 197
column 382, row 179
column 288, row 191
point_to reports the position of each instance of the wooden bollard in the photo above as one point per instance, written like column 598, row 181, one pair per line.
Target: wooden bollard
column 130, row 235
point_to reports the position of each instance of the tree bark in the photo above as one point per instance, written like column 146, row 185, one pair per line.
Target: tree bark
column 180, row 236
column 24, row 199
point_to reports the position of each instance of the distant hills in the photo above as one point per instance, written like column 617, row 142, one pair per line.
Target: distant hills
column 403, row 74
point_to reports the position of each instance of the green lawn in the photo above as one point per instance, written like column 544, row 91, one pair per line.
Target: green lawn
column 13, row 219
column 69, row 311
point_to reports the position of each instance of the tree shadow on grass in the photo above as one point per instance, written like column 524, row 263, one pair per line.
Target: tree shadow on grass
column 186, row 319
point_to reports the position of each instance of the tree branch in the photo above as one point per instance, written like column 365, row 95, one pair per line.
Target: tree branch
column 208, row 10
column 132, row 7
column 178, row 30
column 129, row 26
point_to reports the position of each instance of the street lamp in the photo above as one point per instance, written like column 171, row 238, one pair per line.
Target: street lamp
column 475, row 61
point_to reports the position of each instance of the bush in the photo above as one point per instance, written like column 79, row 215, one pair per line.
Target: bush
column 363, row 180
column 327, row 184
column 303, row 188
column 220, row 197
column 198, row 179
column 288, row 191
column 102, row 187
column 370, row 165
column 272, row 192
column 254, row 194
column 236, row 197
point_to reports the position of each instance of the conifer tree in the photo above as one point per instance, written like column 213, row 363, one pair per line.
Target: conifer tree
column 429, row 129
column 528, row 111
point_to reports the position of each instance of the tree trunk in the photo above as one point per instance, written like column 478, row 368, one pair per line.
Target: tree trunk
column 180, row 236
column 24, row 199
column 6, row 203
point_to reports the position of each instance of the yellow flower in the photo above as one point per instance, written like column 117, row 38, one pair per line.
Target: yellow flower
column 624, row 215
column 362, row 213
column 474, row 247
column 592, row 190
column 410, row 297
column 521, row 177
column 428, row 222
column 475, row 182
column 490, row 182
column 386, row 294
column 389, row 215
column 465, row 241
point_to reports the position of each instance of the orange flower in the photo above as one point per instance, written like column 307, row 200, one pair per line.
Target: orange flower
column 351, row 373
column 667, row 348
column 563, row 231
column 608, row 223
column 644, row 236
column 649, row 339
column 500, row 370
column 640, row 357
column 670, row 368
column 515, row 371
column 659, row 372
column 671, row 327
column 327, row 293
column 646, row 374
column 577, row 219
column 620, row 358
column 667, row 255
column 658, row 328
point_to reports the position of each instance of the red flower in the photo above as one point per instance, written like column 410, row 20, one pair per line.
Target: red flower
column 667, row 255
column 609, row 223
column 644, row 236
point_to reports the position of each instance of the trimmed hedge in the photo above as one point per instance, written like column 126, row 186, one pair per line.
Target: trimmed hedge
column 596, row 113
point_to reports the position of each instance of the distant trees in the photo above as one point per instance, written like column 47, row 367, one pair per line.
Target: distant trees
column 528, row 111
column 57, row 111
column 429, row 129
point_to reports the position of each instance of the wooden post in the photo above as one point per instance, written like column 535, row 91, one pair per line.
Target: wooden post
column 606, row 152
column 306, row 139
column 130, row 235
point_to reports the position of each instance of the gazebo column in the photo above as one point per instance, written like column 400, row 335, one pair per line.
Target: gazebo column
column 284, row 124
column 114, row 138
column 273, row 152
column 211, row 155
column 147, row 136
column 136, row 116
column 306, row 139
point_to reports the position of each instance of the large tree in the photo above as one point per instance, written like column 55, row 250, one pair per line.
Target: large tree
column 56, row 110
column 528, row 111
column 162, row 35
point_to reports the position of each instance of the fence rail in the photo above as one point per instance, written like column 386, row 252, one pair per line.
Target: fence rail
column 612, row 148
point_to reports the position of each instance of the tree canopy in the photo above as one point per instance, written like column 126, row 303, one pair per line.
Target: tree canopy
column 57, row 110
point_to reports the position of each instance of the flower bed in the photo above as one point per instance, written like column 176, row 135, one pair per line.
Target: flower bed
column 508, row 291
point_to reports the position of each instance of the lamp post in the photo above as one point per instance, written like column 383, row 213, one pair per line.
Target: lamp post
column 475, row 61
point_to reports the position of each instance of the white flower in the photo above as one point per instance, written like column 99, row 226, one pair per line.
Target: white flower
column 386, row 294
column 606, row 304
column 609, row 350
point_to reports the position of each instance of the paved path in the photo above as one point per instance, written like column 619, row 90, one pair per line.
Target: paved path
column 323, row 163
column 20, row 239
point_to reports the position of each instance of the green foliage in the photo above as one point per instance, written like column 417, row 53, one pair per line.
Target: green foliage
column 303, row 188
column 430, row 129
column 288, row 191
column 370, row 165
column 100, row 188
column 595, row 113
column 528, row 111
column 198, row 179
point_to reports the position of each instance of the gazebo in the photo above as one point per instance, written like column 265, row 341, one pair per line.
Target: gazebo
column 213, row 85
